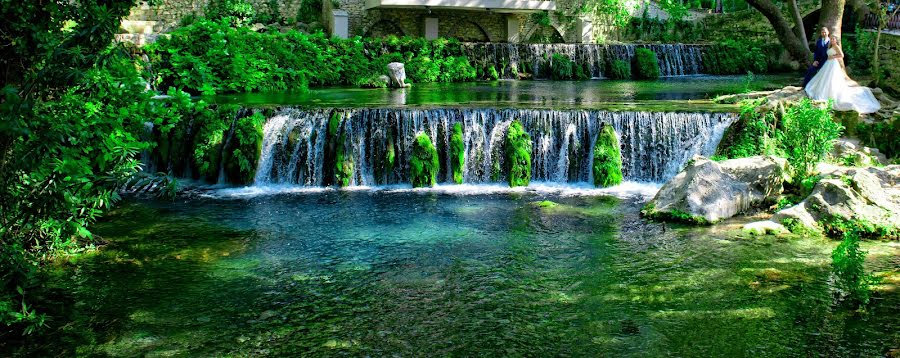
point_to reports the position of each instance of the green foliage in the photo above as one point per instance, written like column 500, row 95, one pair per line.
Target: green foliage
column 212, row 57
column 423, row 165
column 670, row 30
column 848, row 265
column 615, row 12
column 561, row 67
column 808, row 135
column 607, row 165
column 518, row 155
column 883, row 135
column 731, row 57
column 209, row 143
column 231, row 12
column 751, row 135
column 839, row 227
column 309, row 11
column 748, row 82
column 457, row 153
column 73, row 113
column 619, row 70
column 646, row 64
column 243, row 152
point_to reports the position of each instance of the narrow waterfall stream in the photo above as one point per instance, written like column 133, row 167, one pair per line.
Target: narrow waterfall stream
column 654, row 145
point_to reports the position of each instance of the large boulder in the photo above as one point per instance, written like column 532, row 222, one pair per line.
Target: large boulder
column 397, row 74
column 863, row 195
column 707, row 191
column 849, row 151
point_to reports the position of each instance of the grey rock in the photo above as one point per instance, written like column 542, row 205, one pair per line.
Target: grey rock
column 397, row 75
column 869, row 194
column 717, row 191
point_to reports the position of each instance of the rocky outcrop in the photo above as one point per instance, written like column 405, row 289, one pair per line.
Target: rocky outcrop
column 707, row 191
column 849, row 151
column 397, row 74
column 870, row 195
column 765, row 227
column 777, row 100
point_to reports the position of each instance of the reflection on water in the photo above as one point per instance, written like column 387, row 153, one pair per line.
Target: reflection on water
column 665, row 93
column 409, row 273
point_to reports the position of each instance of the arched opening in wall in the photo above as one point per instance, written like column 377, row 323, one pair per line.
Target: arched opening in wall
column 384, row 28
column 468, row 31
column 545, row 34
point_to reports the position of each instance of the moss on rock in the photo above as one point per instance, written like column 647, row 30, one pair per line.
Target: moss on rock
column 424, row 165
column 242, row 156
column 343, row 161
column 607, row 158
column 518, row 155
column 646, row 64
column 457, row 153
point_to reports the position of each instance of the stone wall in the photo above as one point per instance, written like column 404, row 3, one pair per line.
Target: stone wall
column 168, row 13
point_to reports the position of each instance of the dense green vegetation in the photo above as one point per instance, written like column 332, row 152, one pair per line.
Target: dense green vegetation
column 607, row 165
column 423, row 165
column 646, row 64
column 517, row 148
column 457, row 153
column 619, row 70
column 733, row 57
column 851, row 278
column 337, row 144
column 217, row 57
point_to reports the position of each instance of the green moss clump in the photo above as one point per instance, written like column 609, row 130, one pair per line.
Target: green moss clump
column 619, row 70
column 561, row 67
column 518, row 155
column 649, row 211
column 607, row 158
column 457, row 153
column 424, row 165
column 246, row 145
column 343, row 162
column 546, row 204
column 646, row 64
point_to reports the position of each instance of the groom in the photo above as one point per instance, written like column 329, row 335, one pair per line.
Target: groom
column 819, row 56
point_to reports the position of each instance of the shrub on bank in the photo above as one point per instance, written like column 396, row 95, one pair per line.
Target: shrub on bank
column 619, row 70
column 561, row 67
column 646, row 64
column 214, row 57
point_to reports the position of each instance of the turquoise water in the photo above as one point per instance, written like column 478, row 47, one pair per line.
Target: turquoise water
column 679, row 93
column 568, row 272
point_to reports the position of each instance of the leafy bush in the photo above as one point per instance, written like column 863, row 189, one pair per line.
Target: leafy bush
column 619, row 70
column 457, row 153
column 232, row 12
column 309, row 11
column 851, row 278
column 242, row 154
column 752, row 134
column 808, row 135
column 561, row 67
column 733, row 57
column 881, row 135
column 518, row 155
column 423, row 165
column 607, row 166
column 646, row 63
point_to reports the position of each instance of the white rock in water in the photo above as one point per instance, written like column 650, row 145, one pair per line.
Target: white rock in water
column 397, row 74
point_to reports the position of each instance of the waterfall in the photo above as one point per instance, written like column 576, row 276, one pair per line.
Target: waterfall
column 654, row 145
column 510, row 59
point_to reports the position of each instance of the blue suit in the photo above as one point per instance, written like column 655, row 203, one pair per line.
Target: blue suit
column 820, row 55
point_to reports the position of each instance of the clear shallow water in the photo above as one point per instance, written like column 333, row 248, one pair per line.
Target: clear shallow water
column 689, row 93
column 428, row 273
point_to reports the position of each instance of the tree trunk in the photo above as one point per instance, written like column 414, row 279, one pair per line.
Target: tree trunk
column 799, row 30
column 831, row 15
column 798, row 49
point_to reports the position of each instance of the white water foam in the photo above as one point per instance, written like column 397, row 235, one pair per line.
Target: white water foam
column 628, row 189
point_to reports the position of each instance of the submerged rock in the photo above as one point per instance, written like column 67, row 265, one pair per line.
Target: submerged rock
column 707, row 191
column 766, row 227
column 397, row 74
column 861, row 196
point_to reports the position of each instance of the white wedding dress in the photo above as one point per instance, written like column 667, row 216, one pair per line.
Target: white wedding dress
column 831, row 83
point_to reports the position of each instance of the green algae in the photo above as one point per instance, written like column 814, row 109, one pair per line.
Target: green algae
column 423, row 165
column 607, row 165
column 457, row 153
column 517, row 149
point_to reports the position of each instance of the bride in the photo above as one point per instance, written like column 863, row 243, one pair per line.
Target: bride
column 831, row 83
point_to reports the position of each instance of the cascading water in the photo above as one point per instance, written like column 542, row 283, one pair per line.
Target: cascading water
column 510, row 59
column 654, row 145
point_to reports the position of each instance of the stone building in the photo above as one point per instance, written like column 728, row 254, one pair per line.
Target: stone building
column 467, row 20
